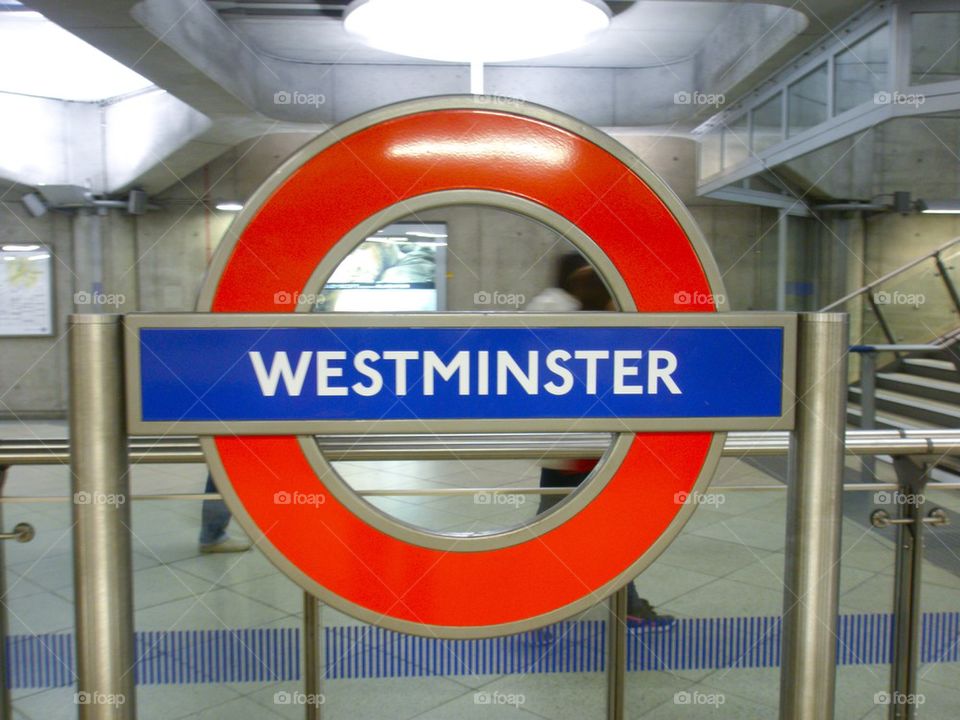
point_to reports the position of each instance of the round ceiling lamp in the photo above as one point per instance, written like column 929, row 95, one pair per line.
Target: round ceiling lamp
column 476, row 30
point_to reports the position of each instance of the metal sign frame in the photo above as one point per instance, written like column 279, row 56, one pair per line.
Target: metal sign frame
column 397, row 161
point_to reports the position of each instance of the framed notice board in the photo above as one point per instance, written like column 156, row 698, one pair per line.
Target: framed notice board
column 26, row 290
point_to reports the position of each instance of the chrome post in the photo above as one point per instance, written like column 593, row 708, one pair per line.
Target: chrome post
column 815, row 489
column 617, row 655
column 912, row 478
column 312, row 655
column 6, row 710
column 102, row 560
column 868, row 407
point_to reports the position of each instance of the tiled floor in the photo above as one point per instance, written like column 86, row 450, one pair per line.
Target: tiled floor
column 727, row 562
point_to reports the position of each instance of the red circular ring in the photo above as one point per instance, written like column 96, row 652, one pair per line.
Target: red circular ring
column 349, row 181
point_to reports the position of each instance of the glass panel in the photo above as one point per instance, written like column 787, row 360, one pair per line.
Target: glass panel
column 710, row 154
column 767, row 124
column 722, row 581
column 951, row 260
column 864, row 633
column 861, row 71
column 934, row 50
column 807, row 101
column 917, row 305
column 938, row 675
column 502, row 499
column 736, row 142
column 554, row 672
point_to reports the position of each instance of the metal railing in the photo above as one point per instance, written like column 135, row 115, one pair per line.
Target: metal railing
column 915, row 305
column 902, row 444
column 102, row 454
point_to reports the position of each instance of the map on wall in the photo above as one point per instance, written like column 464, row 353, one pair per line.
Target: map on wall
column 26, row 293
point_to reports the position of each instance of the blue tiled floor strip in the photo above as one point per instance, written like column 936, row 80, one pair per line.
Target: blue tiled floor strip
column 273, row 654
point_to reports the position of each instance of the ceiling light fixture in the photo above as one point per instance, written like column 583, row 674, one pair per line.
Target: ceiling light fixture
column 476, row 31
column 939, row 207
column 229, row 206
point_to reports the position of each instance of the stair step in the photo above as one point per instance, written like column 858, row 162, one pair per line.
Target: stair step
column 924, row 409
column 920, row 386
column 931, row 368
column 886, row 420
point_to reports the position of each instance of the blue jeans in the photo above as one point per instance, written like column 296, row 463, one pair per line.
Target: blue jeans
column 214, row 517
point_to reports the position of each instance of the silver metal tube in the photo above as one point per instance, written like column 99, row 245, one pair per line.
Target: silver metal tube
column 815, row 480
column 312, row 656
column 476, row 447
column 912, row 477
column 103, row 576
column 868, row 407
column 617, row 655
column 6, row 710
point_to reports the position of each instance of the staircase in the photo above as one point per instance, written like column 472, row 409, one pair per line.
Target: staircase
column 914, row 388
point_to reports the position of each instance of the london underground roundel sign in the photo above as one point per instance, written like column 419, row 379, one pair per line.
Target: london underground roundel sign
column 668, row 375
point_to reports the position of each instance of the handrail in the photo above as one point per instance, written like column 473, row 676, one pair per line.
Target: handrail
column 489, row 447
column 893, row 273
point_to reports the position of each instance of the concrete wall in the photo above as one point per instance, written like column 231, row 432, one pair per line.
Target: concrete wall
column 157, row 261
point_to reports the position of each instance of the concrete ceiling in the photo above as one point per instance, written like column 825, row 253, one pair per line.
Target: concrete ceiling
column 230, row 65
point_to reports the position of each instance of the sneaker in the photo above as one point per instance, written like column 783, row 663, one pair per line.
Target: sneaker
column 227, row 545
column 642, row 615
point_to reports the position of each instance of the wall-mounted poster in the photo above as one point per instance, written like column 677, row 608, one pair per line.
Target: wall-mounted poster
column 26, row 290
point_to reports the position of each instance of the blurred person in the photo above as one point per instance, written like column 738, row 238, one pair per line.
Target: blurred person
column 214, row 518
column 580, row 287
